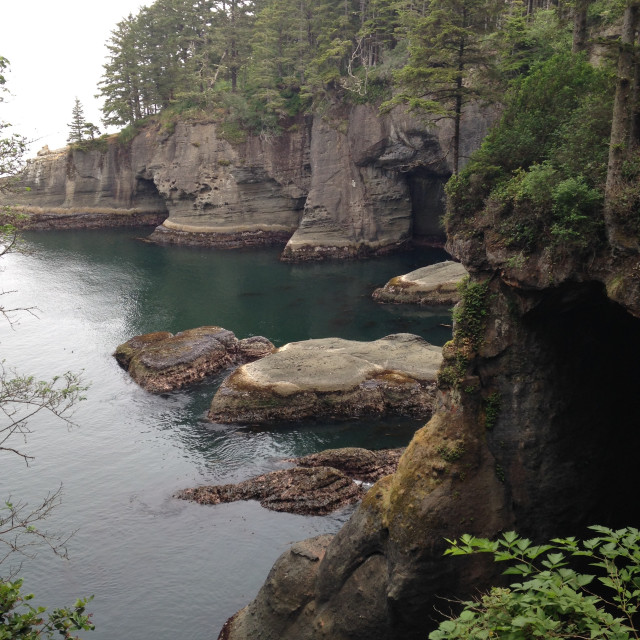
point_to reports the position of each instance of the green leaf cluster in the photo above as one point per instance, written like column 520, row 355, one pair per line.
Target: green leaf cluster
column 19, row 620
column 469, row 320
column 470, row 314
column 554, row 597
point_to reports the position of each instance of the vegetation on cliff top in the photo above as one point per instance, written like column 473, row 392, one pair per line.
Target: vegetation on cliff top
column 550, row 171
column 256, row 63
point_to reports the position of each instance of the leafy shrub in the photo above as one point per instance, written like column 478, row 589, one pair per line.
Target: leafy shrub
column 554, row 597
column 550, row 147
column 574, row 209
column 131, row 131
column 470, row 314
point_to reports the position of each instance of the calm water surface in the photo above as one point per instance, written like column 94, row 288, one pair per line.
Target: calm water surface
column 161, row 568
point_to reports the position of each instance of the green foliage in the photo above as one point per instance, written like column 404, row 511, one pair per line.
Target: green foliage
column 12, row 148
column 625, row 199
column 131, row 131
column 469, row 317
column 470, row 314
column 447, row 48
column 525, row 40
column 232, row 132
column 96, row 144
column 451, row 453
column 554, row 597
column 540, row 173
column 492, row 406
column 19, row 620
column 575, row 207
column 538, row 106
column 79, row 129
column 450, row 374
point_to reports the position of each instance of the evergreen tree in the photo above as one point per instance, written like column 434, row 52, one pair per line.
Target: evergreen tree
column 445, row 47
column 621, row 195
column 77, row 124
column 120, row 85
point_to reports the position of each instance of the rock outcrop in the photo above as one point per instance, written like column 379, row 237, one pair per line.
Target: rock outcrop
column 331, row 378
column 162, row 361
column 436, row 284
column 346, row 184
column 360, row 464
column 319, row 484
column 311, row 491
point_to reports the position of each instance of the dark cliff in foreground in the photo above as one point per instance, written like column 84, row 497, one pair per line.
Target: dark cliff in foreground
column 346, row 184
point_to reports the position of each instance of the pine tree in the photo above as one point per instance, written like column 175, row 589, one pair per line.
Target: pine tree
column 77, row 124
column 121, row 82
column 445, row 46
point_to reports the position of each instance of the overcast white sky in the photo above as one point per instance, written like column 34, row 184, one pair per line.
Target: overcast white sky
column 56, row 50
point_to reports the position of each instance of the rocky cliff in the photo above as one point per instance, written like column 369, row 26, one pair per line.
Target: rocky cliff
column 535, row 430
column 345, row 184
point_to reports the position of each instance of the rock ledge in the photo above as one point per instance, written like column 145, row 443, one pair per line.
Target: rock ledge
column 436, row 284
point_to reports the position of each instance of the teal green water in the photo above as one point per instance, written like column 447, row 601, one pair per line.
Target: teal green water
column 160, row 567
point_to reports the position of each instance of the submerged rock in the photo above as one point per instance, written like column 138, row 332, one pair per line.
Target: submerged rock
column 435, row 284
column 162, row 361
column 321, row 483
column 332, row 378
column 315, row 491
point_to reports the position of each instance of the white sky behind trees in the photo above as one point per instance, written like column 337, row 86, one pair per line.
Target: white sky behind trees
column 56, row 51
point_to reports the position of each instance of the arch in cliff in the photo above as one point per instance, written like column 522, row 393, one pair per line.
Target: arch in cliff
column 426, row 189
column 147, row 197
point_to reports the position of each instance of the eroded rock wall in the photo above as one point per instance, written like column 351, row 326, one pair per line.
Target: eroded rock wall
column 334, row 185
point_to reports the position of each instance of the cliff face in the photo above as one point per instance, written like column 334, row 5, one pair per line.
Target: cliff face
column 535, row 430
column 347, row 184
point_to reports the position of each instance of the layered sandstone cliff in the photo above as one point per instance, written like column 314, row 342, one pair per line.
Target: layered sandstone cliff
column 345, row 184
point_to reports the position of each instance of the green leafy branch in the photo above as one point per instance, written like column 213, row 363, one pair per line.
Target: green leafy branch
column 19, row 620
column 554, row 599
column 22, row 397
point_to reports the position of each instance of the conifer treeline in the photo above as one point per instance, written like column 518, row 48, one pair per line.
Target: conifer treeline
column 260, row 60
column 278, row 51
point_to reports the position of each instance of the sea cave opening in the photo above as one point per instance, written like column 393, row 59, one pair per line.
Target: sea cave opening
column 426, row 189
column 574, row 461
column 147, row 197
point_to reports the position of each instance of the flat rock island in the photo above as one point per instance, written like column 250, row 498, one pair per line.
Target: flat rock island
column 332, row 378
column 436, row 284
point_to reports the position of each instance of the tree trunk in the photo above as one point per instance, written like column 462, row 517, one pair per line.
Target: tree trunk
column 580, row 26
column 634, row 137
column 458, row 99
column 623, row 114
